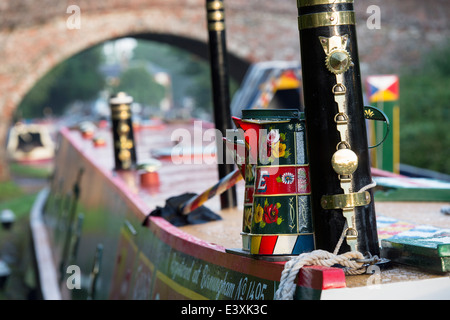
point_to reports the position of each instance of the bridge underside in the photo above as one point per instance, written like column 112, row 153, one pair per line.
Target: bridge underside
column 237, row 66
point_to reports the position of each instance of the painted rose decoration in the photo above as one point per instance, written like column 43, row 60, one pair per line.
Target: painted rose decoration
column 268, row 214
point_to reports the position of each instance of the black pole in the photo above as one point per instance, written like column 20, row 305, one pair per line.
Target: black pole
column 220, row 88
column 122, row 130
column 337, row 139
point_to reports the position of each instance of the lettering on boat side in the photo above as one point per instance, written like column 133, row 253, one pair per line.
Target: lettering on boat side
column 230, row 309
column 201, row 279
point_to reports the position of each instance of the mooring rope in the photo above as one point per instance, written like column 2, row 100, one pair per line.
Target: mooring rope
column 350, row 260
column 318, row 257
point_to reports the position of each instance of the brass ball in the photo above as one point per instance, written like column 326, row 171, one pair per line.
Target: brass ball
column 124, row 128
column 344, row 161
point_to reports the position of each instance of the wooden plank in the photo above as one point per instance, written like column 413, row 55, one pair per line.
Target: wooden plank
column 411, row 189
column 422, row 246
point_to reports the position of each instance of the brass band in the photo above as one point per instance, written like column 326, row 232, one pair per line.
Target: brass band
column 307, row 3
column 214, row 5
column 216, row 16
column 122, row 115
column 216, row 26
column 120, row 112
column 326, row 19
column 341, row 201
column 120, row 107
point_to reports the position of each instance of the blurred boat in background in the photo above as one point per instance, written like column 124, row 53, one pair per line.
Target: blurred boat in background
column 30, row 143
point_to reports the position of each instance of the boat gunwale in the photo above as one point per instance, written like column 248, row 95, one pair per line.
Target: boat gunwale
column 174, row 236
column 177, row 238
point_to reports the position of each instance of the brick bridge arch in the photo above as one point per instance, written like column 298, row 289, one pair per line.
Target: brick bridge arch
column 32, row 52
column 33, row 43
column 34, row 36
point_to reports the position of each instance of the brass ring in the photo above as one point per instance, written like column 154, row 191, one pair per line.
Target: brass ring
column 343, row 114
column 216, row 26
column 214, row 5
column 339, row 86
column 307, row 3
column 326, row 19
column 347, row 145
column 351, row 230
column 216, row 16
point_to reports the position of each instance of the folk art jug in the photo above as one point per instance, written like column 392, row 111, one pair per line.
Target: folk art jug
column 271, row 154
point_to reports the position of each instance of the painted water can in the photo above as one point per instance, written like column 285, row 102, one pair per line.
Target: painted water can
column 276, row 166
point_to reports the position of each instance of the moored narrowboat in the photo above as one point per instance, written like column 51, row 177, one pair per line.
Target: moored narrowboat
column 161, row 213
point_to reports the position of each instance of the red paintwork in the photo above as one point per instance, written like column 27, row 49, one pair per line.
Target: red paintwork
column 321, row 278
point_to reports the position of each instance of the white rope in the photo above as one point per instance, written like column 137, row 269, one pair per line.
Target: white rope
column 367, row 187
column 341, row 239
column 318, row 257
column 287, row 286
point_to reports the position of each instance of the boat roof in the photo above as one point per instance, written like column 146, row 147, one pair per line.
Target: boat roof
column 269, row 84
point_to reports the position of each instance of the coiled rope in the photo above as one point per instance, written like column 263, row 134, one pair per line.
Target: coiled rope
column 350, row 260
column 318, row 257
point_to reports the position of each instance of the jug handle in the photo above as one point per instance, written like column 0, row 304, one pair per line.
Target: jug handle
column 372, row 113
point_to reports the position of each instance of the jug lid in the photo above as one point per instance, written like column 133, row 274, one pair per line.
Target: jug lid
column 275, row 114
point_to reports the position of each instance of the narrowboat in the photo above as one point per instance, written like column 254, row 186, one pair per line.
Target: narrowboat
column 30, row 143
column 295, row 212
